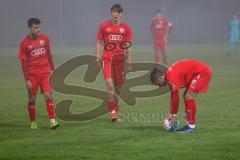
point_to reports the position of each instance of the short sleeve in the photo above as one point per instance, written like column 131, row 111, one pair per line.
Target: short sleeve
column 22, row 52
column 129, row 33
column 174, row 82
column 100, row 33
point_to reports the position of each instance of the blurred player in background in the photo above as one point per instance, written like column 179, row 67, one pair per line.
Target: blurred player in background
column 160, row 29
column 37, row 66
column 115, row 37
column 233, row 44
column 192, row 75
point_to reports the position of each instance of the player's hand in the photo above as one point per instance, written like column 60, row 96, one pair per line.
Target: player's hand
column 128, row 67
column 172, row 119
column 28, row 84
column 99, row 64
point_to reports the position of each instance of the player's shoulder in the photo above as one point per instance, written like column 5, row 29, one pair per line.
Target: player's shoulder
column 126, row 25
column 44, row 36
column 105, row 23
column 25, row 40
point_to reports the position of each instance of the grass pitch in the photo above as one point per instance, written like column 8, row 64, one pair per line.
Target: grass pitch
column 218, row 128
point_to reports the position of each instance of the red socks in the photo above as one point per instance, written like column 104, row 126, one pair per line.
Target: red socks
column 50, row 108
column 32, row 110
column 113, row 106
column 190, row 110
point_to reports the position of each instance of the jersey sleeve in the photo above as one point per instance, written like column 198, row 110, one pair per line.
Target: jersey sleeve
column 100, row 34
column 129, row 33
column 174, row 82
column 22, row 53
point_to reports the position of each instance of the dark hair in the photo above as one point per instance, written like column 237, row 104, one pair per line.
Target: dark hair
column 156, row 73
column 158, row 11
column 32, row 21
column 117, row 7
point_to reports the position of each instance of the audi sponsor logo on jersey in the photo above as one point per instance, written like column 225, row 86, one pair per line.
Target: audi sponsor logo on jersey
column 115, row 37
column 38, row 51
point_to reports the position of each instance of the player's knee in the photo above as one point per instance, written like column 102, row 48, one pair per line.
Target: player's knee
column 188, row 96
column 32, row 98
column 48, row 95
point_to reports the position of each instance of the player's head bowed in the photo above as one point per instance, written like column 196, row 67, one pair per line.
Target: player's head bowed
column 157, row 77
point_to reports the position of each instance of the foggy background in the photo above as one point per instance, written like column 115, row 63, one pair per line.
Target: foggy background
column 75, row 22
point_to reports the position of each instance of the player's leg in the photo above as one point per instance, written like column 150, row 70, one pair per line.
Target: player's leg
column 163, row 46
column 47, row 92
column 230, row 45
column 236, row 45
column 190, row 107
column 156, row 45
column 118, row 77
column 32, row 91
column 190, row 111
column 112, row 103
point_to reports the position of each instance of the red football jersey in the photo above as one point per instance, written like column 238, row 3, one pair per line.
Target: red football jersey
column 160, row 26
column 36, row 53
column 180, row 74
column 113, row 37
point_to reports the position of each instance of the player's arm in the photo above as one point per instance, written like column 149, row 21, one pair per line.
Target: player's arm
column 152, row 28
column 24, row 69
column 23, row 57
column 98, row 50
column 50, row 58
column 129, row 55
column 99, row 44
column 25, row 73
column 174, row 104
column 170, row 25
column 129, row 48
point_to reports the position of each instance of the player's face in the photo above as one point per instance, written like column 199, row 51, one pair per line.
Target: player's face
column 159, row 15
column 116, row 16
column 160, row 80
column 34, row 29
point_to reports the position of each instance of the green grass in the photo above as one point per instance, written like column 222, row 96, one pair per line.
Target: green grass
column 218, row 128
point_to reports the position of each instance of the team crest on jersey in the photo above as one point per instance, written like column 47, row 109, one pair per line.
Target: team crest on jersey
column 42, row 42
column 121, row 30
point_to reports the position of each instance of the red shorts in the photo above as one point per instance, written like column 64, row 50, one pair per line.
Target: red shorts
column 200, row 82
column 160, row 43
column 42, row 81
column 116, row 71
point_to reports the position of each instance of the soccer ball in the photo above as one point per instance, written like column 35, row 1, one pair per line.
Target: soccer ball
column 169, row 126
